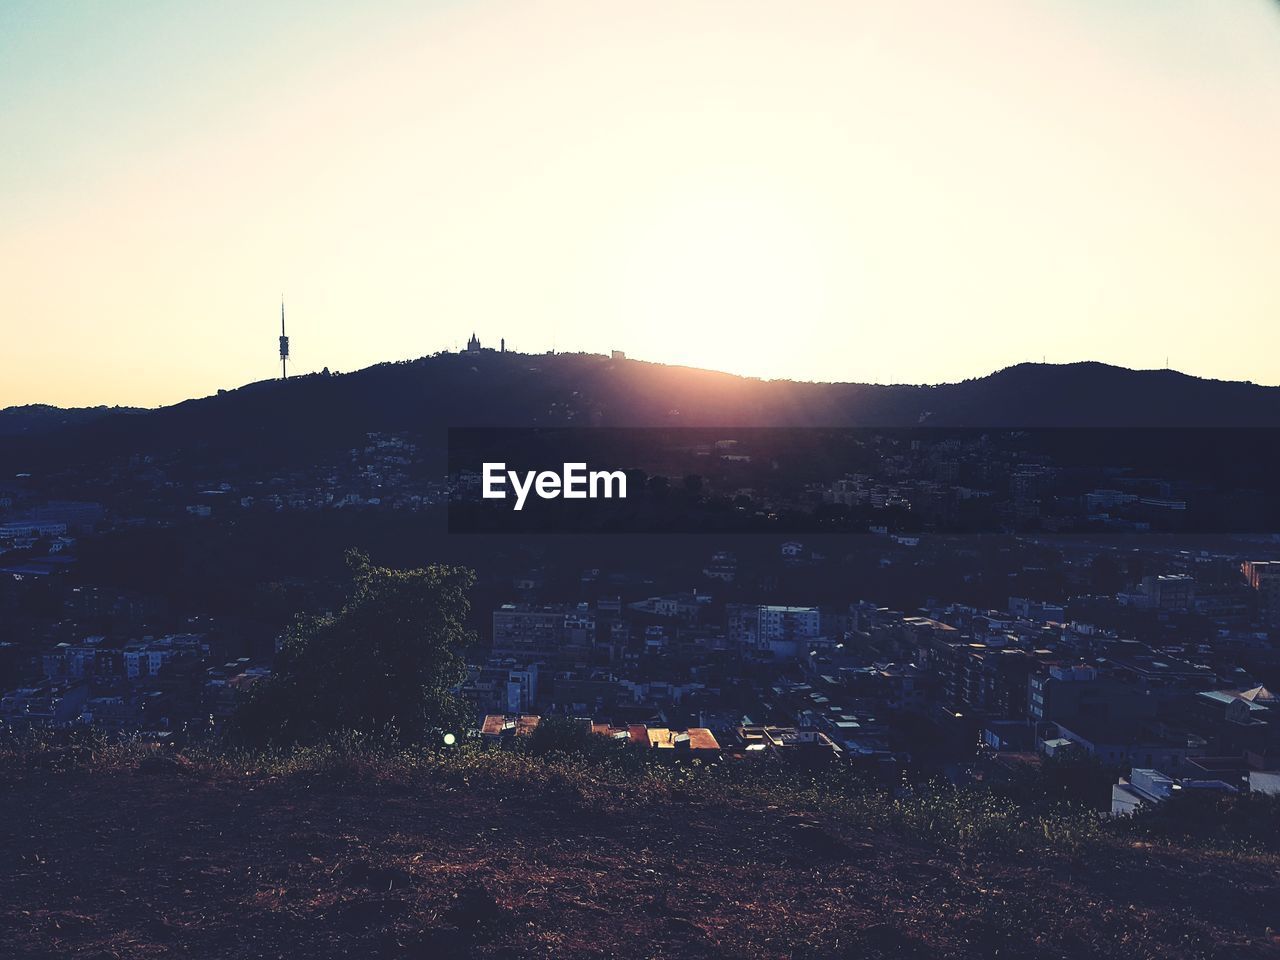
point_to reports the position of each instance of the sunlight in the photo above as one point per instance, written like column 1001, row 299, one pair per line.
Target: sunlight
column 717, row 266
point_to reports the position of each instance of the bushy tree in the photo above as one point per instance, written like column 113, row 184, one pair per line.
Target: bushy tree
column 1247, row 821
column 1073, row 777
column 385, row 663
column 562, row 736
column 555, row 734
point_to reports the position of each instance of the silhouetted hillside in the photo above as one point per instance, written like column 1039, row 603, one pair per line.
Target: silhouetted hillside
column 38, row 418
column 274, row 421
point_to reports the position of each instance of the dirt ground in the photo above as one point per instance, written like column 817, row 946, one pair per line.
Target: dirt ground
column 127, row 864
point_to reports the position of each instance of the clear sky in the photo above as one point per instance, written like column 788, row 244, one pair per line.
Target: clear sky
column 901, row 191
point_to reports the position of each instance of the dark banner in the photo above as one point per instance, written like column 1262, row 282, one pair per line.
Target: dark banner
column 897, row 481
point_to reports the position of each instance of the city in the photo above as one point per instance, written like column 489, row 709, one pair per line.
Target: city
column 1074, row 618
column 568, row 480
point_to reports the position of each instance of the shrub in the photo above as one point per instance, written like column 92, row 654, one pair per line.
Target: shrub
column 385, row 664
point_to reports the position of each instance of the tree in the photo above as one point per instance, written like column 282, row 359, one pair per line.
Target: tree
column 1070, row 777
column 563, row 735
column 387, row 662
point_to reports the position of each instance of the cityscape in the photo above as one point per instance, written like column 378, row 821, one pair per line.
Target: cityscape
column 906, row 650
column 567, row 480
column 1079, row 623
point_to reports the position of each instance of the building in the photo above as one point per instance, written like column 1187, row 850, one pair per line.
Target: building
column 149, row 657
column 901, row 688
column 723, row 566
column 1028, row 609
column 1264, row 577
column 528, row 633
column 78, row 516
column 1163, row 677
column 1007, row 736
column 775, row 632
column 501, row 728
column 697, row 739
column 110, row 713
column 474, row 347
column 55, row 703
column 1170, row 591
column 1132, row 744
column 89, row 658
column 1063, row 694
column 502, row 685
column 1241, row 723
column 803, row 746
column 1145, row 787
column 228, row 686
column 32, row 529
column 682, row 606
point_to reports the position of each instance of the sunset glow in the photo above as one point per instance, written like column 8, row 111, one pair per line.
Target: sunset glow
column 916, row 191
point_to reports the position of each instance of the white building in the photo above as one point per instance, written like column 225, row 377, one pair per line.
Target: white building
column 1144, row 787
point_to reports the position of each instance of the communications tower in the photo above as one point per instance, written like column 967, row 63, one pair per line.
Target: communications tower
column 284, row 346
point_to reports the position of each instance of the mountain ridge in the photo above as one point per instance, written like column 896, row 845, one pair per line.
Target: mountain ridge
column 40, row 409
column 312, row 413
column 37, row 418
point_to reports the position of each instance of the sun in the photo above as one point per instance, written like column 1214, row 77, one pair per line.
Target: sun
column 727, row 276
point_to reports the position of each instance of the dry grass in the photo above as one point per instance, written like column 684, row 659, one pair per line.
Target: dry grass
column 346, row 851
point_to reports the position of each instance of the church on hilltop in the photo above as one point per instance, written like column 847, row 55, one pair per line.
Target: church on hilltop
column 473, row 345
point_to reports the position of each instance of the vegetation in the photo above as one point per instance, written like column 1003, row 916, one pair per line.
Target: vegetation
column 570, row 845
column 1067, row 779
column 335, row 819
column 385, row 663
column 564, row 760
column 1243, row 823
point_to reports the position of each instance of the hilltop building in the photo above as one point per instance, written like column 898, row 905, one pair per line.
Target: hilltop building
column 473, row 345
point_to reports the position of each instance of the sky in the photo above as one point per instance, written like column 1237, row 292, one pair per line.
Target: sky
column 909, row 191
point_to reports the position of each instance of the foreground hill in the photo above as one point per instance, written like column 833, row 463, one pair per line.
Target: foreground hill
column 277, row 421
column 470, row 859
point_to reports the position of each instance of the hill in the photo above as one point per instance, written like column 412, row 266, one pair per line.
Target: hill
column 39, row 418
column 494, row 856
column 276, row 421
